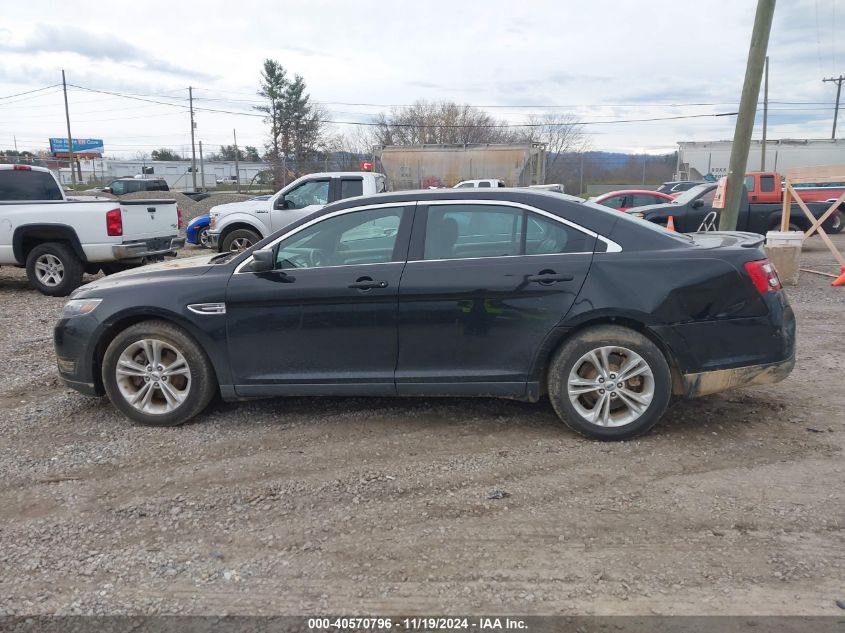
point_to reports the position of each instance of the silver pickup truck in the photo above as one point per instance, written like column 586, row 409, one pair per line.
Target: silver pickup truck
column 58, row 238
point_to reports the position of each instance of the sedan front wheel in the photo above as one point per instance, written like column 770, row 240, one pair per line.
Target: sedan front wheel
column 157, row 374
column 609, row 383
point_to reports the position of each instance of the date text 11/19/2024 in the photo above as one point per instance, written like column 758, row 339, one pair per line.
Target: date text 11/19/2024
column 418, row 623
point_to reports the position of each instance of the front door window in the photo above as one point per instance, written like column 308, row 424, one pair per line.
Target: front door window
column 308, row 194
column 359, row 237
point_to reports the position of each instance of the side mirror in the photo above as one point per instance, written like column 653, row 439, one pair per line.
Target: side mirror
column 698, row 204
column 263, row 260
column 106, row 189
column 279, row 204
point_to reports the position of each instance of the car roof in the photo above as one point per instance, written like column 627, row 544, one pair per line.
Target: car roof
column 634, row 191
column 7, row 166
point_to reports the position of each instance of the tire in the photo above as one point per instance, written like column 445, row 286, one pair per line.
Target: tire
column 202, row 238
column 837, row 223
column 634, row 409
column 54, row 269
column 164, row 399
column 239, row 239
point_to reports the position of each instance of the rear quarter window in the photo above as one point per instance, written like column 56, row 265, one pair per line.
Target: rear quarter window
column 19, row 184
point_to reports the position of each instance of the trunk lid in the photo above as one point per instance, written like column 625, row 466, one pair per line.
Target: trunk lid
column 726, row 239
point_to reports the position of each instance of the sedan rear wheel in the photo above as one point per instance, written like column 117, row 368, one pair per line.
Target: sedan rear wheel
column 610, row 383
column 156, row 374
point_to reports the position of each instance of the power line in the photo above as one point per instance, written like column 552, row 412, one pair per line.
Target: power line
column 29, row 92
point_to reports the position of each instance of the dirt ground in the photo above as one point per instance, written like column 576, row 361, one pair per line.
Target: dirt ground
column 734, row 504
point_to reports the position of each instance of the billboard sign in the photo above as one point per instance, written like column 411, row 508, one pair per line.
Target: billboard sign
column 80, row 146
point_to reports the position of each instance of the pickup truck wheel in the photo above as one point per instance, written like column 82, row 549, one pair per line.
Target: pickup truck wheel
column 54, row 269
column 609, row 383
column 836, row 224
column 239, row 240
column 155, row 373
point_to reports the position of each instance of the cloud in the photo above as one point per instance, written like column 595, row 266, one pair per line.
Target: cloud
column 95, row 47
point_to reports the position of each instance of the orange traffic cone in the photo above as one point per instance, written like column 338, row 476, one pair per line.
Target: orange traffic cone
column 839, row 281
column 670, row 225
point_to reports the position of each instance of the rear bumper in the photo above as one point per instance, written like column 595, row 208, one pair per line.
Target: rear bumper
column 149, row 248
column 707, row 382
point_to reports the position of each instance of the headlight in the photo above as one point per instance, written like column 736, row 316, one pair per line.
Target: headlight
column 212, row 220
column 639, row 215
column 78, row 307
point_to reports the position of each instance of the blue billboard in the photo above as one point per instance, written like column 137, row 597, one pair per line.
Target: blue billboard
column 80, row 146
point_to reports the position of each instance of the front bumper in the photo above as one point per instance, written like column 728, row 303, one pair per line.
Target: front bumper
column 707, row 382
column 74, row 340
column 149, row 248
column 213, row 240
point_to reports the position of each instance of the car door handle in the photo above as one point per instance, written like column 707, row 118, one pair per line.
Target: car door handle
column 548, row 278
column 365, row 283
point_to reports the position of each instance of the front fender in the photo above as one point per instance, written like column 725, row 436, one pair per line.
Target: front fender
column 226, row 222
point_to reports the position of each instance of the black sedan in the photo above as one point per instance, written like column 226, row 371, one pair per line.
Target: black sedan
column 512, row 293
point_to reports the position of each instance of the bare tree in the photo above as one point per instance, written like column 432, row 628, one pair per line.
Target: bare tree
column 562, row 135
column 440, row 122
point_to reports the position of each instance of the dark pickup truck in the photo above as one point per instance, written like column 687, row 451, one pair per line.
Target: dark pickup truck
column 693, row 211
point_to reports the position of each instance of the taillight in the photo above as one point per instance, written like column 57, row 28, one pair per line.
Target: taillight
column 114, row 223
column 763, row 275
column 178, row 218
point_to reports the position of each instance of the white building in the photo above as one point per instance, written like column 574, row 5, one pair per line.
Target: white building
column 697, row 159
column 177, row 173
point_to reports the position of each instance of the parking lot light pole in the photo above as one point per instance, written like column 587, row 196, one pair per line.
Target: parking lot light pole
column 747, row 110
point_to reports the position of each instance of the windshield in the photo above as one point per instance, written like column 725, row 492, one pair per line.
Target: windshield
column 691, row 194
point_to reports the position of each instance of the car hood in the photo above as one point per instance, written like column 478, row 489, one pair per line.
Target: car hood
column 233, row 207
column 182, row 267
column 200, row 219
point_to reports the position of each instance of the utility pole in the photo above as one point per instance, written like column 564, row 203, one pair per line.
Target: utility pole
column 765, row 115
column 644, row 156
column 237, row 164
column 838, row 81
column 69, row 137
column 193, row 149
column 747, row 109
column 202, row 169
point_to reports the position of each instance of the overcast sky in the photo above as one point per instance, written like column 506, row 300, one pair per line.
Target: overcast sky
column 599, row 60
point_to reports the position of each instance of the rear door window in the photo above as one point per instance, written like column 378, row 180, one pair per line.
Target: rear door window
column 767, row 183
column 24, row 184
column 351, row 187
column 544, row 236
column 463, row 231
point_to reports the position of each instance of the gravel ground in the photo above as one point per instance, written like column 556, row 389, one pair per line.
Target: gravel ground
column 734, row 504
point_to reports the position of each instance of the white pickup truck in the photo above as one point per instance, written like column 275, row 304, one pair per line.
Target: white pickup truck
column 58, row 239
column 239, row 225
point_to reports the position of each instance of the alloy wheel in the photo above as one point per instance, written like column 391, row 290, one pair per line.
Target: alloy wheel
column 611, row 386
column 153, row 376
column 49, row 270
column 240, row 243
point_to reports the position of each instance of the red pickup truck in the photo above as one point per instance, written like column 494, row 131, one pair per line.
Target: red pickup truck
column 766, row 186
